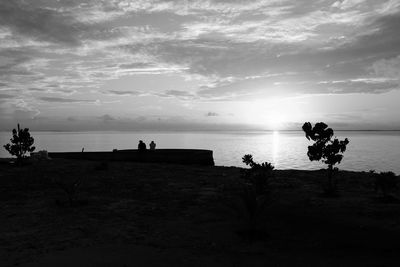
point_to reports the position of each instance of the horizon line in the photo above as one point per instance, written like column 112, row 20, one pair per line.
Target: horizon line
column 208, row 130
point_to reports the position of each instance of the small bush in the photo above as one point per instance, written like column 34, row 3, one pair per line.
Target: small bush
column 71, row 190
column 102, row 166
column 386, row 183
column 254, row 203
column 258, row 174
column 256, row 192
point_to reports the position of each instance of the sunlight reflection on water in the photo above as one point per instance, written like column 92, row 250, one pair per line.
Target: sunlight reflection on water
column 275, row 148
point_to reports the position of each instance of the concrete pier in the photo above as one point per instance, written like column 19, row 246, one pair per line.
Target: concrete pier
column 176, row 156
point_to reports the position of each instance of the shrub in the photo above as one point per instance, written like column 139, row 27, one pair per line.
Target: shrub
column 253, row 202
column 21, row 143
column 256, row 194
column 71, row 190
column 325, row 149
column 386, row 183
column 258, row 174
column 102, row 166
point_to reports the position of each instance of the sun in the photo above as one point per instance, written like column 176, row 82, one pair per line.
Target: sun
column 264, row 115
column 276, row 122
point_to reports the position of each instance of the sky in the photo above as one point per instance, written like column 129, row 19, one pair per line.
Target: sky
column 75, row 65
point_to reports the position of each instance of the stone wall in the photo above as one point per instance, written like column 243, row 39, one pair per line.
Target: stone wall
column 177, row 156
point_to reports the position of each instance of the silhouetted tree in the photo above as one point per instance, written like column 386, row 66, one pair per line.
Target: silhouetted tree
column 325, row 149
column 21, row 142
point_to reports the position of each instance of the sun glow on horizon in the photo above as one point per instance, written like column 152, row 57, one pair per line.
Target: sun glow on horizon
column 276, row 122
column 270, row 114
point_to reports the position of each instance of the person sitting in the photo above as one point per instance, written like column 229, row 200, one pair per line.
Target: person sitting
column 141, row 146
column 152, row 145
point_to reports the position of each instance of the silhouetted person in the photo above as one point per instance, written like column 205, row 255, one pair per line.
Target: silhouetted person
column 152, row 145
column 141, row 146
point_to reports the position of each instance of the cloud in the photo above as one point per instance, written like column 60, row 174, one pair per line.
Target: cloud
column 135, row 65
column 6, row 96
column 37, row 89
column 65, row 100
column 224, row 50
column 176, row 93
column 388, row 67
column 16, row 109
column 40, row 23
column 106, row 118
column 24, row 114
column 71, row 119
column 214, row 40
column 367, row 86
column 212, row 114
column 271, row 86
column 346, row 4
column 340, row 117
column 124, row 93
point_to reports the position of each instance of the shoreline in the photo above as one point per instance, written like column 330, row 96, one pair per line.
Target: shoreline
column 4, row 160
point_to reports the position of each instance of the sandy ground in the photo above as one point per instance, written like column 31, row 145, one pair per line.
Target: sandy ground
column 131, row 214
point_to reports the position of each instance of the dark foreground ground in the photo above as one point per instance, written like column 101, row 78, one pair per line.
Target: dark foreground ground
column 131, row 214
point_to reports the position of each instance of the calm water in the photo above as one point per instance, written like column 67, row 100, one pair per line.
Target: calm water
column 286, row 150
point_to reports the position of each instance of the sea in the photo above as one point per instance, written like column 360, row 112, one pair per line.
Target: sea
column 367, row 150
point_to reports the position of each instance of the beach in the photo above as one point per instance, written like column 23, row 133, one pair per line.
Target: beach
column 143, row 214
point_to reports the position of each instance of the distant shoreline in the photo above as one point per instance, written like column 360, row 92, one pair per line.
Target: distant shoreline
column 191, row 131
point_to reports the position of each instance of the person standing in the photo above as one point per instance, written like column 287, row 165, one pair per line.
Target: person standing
column 141, row 146
column 152, row 145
